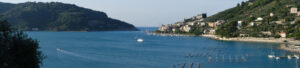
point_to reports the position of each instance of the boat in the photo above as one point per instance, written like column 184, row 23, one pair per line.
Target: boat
column 58, row 49
column 289, row 57
column 271, row 56
column 296, row 56
column 277, row 58
column 140, row 40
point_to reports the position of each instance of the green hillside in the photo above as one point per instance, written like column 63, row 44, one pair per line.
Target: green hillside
column 55, row 16
column 281, row 21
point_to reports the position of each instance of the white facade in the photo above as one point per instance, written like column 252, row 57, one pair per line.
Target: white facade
column 240, row 23
column 252, row 23
column 283, row 35
column 186, row 28
column 271, row 14
column 259, row 19
column 294, row 10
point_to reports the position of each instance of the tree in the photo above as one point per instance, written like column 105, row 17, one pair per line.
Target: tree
column 228, row 30
column 17, row 50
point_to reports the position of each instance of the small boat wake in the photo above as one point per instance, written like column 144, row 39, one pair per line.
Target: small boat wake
column 74, row 54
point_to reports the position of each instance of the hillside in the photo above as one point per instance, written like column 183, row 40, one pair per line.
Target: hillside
column 253, row 18
column 55, row 16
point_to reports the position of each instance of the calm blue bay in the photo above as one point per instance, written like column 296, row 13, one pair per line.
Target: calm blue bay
column 120, row 49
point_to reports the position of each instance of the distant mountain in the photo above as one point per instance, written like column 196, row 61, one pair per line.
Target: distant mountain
column 56, row 16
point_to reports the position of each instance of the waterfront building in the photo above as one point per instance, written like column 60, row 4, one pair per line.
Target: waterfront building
column 163, row 28
column 283, row 34
column 212, row 31
column 244, row 35
column 266, row 32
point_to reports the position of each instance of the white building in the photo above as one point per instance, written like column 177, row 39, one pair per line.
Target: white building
column 283, row 35
column 186, row 28
column 271, row 14
column 163, row 28
column 294, row 10
column 240, row 23
column 252, row 23
column 259, row 19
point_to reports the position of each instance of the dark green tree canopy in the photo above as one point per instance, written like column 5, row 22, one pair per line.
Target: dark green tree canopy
column 17, row 50
column 56, row 16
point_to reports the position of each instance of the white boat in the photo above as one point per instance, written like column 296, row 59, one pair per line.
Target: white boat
column 296, row 56
column 58, row 49
column 289, row 57
column 140, row 40
column 277, row 58
column 271, row 56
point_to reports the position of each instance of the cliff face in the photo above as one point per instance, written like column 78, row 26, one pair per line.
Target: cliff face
column 57, row 16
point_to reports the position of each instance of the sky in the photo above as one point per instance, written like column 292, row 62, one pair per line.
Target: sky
column 149, row 13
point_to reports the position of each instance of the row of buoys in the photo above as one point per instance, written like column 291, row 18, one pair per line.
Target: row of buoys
column 230, row 59
column 184, row 65
column 288, row 57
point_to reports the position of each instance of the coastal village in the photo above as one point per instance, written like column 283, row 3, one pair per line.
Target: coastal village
column 208, row 29
column 188, row 25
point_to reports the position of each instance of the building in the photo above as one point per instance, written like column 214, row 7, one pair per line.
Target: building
column 283, row 34
column 211, row 24
column 294, row 10
column 190, row 23
column 212, row 31
column 244, row 35
column 202, row 24
column 240, row 23
column 259, row 19
column 266, row 32
column 278, row 22
column 201, row 16
column 252, row 24
column 174, row 29
column 163, row 28
column 186, row 28
column 271, row 14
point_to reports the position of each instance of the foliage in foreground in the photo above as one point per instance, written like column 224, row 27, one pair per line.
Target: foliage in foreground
column 17, row 50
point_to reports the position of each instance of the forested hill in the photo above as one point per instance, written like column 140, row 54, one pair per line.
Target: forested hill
column 260, row 18
column 258, row 8
column 56, row 16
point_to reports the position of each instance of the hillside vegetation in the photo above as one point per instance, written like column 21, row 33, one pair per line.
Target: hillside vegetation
column 251, row 10
column 55, row 16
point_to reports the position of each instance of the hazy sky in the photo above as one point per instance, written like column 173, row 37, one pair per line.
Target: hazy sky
column 147, row 13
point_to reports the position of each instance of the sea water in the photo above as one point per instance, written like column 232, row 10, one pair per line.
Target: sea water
column 120, row 49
